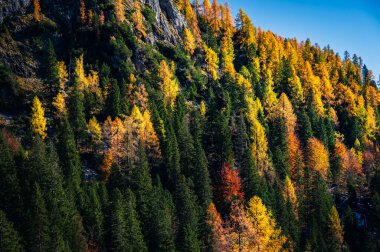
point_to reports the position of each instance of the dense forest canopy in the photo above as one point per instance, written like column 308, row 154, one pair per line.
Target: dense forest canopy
column 165, row 125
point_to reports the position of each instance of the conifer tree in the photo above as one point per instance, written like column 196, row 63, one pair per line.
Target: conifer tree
column 246, row 34
column 187, row 212
column 201, row 174
column 38, row 120
column 38, row 231
column 134, row 235
column 125, row 228
column 335, row 236
column 94, row 216
column 71, row 163
column 9, row 183
column 10, row 239
column 64, row 218
column 51, row 70
column 77, row 115
column 114, row 106
column 141, row 184
column 161, row 230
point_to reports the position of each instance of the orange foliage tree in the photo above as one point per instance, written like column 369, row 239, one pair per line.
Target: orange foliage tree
column 37, row 10
column 317, row 157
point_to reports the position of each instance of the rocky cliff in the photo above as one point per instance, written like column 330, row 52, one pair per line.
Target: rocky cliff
column 169, row 20
column 9, row 8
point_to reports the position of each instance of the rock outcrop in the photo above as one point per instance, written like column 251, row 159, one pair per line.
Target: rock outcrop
column 169, row 21
column 9, row 8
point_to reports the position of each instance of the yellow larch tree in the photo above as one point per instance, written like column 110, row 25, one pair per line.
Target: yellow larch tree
column 192, row 20
column 215, row 21
column 212, row 62
column 80, row 74
column 243, row 82
column 335, row 232
column 345, row 97
column 137, row 19
column 326, row 87
column 144, row 130
column 37, row 10
column 93, row 82
column 296, row 89
column 59, row 104
column 149, row 136
column 227, row 54
column 207, row 10
column 114, row 137
column 82, row 11
column 202, row 108
column 119, row 11
column 95, row 130
column 266, row 235
column 227, row 19
column 270, row 97
column 259, row 146
column 284, row 110
column 168, row 84
column 38, row 120
column 90, row 15
column 289, row 193
column 371, row 126
column 246, row 36
column 317, row 157
column 180, row 4
column 62, row 75
column 189, row 41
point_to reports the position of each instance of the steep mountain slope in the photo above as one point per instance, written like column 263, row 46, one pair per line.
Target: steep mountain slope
column 163, row 125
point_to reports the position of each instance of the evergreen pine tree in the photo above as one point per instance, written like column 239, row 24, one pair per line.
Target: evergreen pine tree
column 187, row 212
column 114, row 104
column 51, row 70
column 77, row 115
column 38, row 224
column 9, row 238
column 72, row 168
column 9, row 183
column 162, row 233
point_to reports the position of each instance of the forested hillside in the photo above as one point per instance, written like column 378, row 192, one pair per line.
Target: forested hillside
column 161, row 125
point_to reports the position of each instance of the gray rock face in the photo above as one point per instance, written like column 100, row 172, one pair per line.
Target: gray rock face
column 10, row 8
column 170, row 20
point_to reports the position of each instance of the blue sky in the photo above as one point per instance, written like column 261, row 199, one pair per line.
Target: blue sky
column 352, row 25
